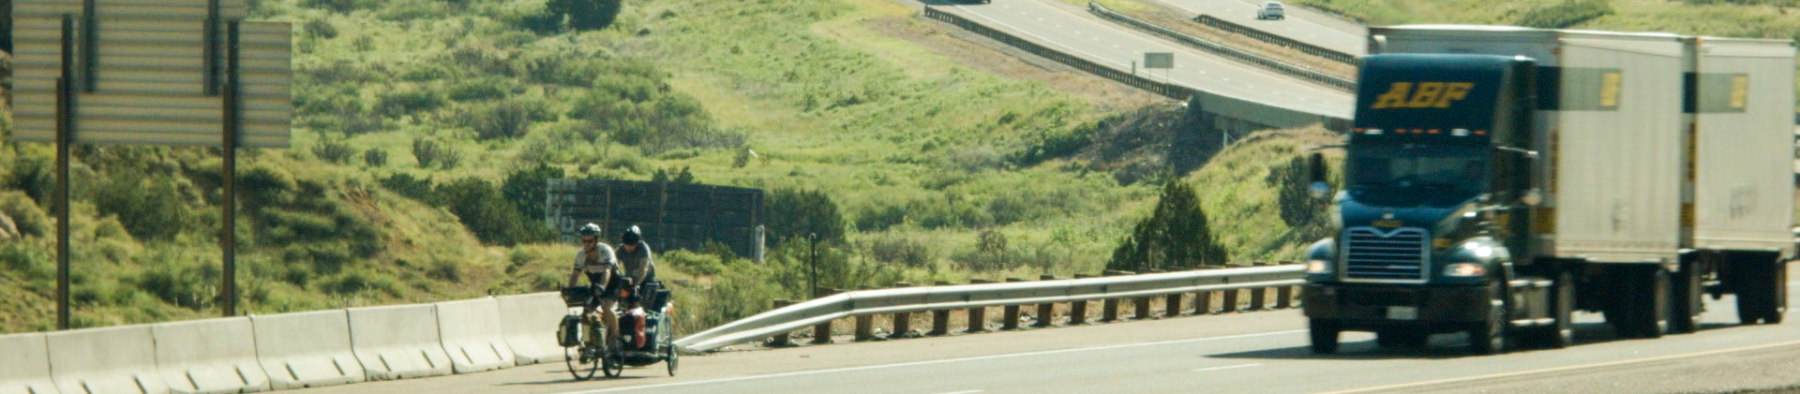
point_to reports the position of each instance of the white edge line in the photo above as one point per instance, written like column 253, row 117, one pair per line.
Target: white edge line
column 1227, row 367
column 931, row 362
column 964, row 392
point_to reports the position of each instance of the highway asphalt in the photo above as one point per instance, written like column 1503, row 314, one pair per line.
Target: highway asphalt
column 1301, row 24
column 1241, row 352
column 1073, row 30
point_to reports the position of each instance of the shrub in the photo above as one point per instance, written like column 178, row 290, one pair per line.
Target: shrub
column 487, row 214
column 479, row 89
column 407, row 99
column 906, row 252
column 508, row 118
column 1174, row 237
column 430, row 152
column 375, row 157
column 526, row 188
column 586, row 14
column 795, row 214
column 320, row 28
column 333, row 148
column 27, row 218
column 149, row 207
column 406, row 185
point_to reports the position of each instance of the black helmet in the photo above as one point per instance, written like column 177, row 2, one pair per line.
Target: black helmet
column 589, row 230
column 631, row 236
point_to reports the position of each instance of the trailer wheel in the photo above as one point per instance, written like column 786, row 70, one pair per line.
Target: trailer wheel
column 1642, row 311
column 1761, row 290
column 1324, row 336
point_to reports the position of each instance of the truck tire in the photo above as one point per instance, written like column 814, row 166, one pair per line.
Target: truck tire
column 1641, row 310
column 1761, row 290
column 1324, row 336
column 1684, row 318
column 1489, row 335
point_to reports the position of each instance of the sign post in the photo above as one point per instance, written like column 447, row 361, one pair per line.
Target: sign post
column 157, row 83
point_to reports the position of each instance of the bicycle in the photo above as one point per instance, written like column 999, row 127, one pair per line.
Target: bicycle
column 579, row 334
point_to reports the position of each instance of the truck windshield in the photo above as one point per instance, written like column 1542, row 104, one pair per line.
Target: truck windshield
column 1413, row 174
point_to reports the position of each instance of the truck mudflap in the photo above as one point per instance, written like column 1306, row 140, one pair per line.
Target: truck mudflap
column 1366, row 308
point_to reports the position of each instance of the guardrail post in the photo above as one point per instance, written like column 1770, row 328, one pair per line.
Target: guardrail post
column 1143, row 303
column 1172, row 305
column 822, row 331
column 1229, row 303
column 1203, row 302
column 1109, row 308
column 978, row 315
column 1046, row 311
column 1078, row 309
column 1010, row 318
column 865, row 326
column 902, row 320
column 1259, row 298
column 781, row 340
column 1284, row 297
column 940, row 319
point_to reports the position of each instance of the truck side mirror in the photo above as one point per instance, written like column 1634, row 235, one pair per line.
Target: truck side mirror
column 1315, row 168
column 1315, row 176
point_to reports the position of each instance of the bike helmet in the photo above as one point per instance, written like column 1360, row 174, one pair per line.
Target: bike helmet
column 589, row 230
column 631, row 236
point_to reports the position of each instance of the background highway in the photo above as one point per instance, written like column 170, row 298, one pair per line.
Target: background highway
column 1301, row 24
column 1075, row 31
column 1243, row 352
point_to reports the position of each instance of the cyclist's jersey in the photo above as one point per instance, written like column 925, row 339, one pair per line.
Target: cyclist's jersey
column 597, row 263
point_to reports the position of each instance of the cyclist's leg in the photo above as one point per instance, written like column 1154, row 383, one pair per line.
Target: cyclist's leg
column 611, row 318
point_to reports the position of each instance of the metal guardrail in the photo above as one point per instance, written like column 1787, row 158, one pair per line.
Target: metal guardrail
column 941, row 298
column 1228, row 52
column 1315, row 50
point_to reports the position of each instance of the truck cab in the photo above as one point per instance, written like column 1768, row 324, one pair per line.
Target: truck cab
column 1432, row 168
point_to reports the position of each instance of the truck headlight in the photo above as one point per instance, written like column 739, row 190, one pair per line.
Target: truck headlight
column 1465, row 270
column 1317, row 266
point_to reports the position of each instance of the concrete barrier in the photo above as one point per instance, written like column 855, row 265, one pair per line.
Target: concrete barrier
column 470, row 330
column 310, row 349
column 26, row 368
column 398, row 342
column 104, row 360
column 528, row 321
column 209, row 356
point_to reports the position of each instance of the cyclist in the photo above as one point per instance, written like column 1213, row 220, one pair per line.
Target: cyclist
column 635, row 258
column 597, row 261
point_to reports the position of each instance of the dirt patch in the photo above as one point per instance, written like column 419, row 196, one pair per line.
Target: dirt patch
column 978, row 52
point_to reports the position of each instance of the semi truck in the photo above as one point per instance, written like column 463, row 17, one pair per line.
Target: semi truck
column 1498, row 179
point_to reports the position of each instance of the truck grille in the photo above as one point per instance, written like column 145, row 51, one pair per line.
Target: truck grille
column 1397, row 255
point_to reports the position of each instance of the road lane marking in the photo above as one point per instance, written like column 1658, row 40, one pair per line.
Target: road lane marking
column 1227, row 367
column 963, row 392
column 1396, row 387
column 932, row 362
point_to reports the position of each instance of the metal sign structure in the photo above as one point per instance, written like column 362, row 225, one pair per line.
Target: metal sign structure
column 673, row 216
column 149, row 72
column 1159, row 60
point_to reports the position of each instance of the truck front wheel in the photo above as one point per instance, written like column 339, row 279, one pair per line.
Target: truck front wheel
column 1324, row 336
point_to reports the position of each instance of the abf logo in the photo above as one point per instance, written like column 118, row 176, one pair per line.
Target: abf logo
column 1426, row 95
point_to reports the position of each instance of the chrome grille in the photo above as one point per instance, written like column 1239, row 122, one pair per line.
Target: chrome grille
column 1396, row 255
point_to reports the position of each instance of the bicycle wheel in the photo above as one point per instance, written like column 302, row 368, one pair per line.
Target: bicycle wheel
column 572, row 355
